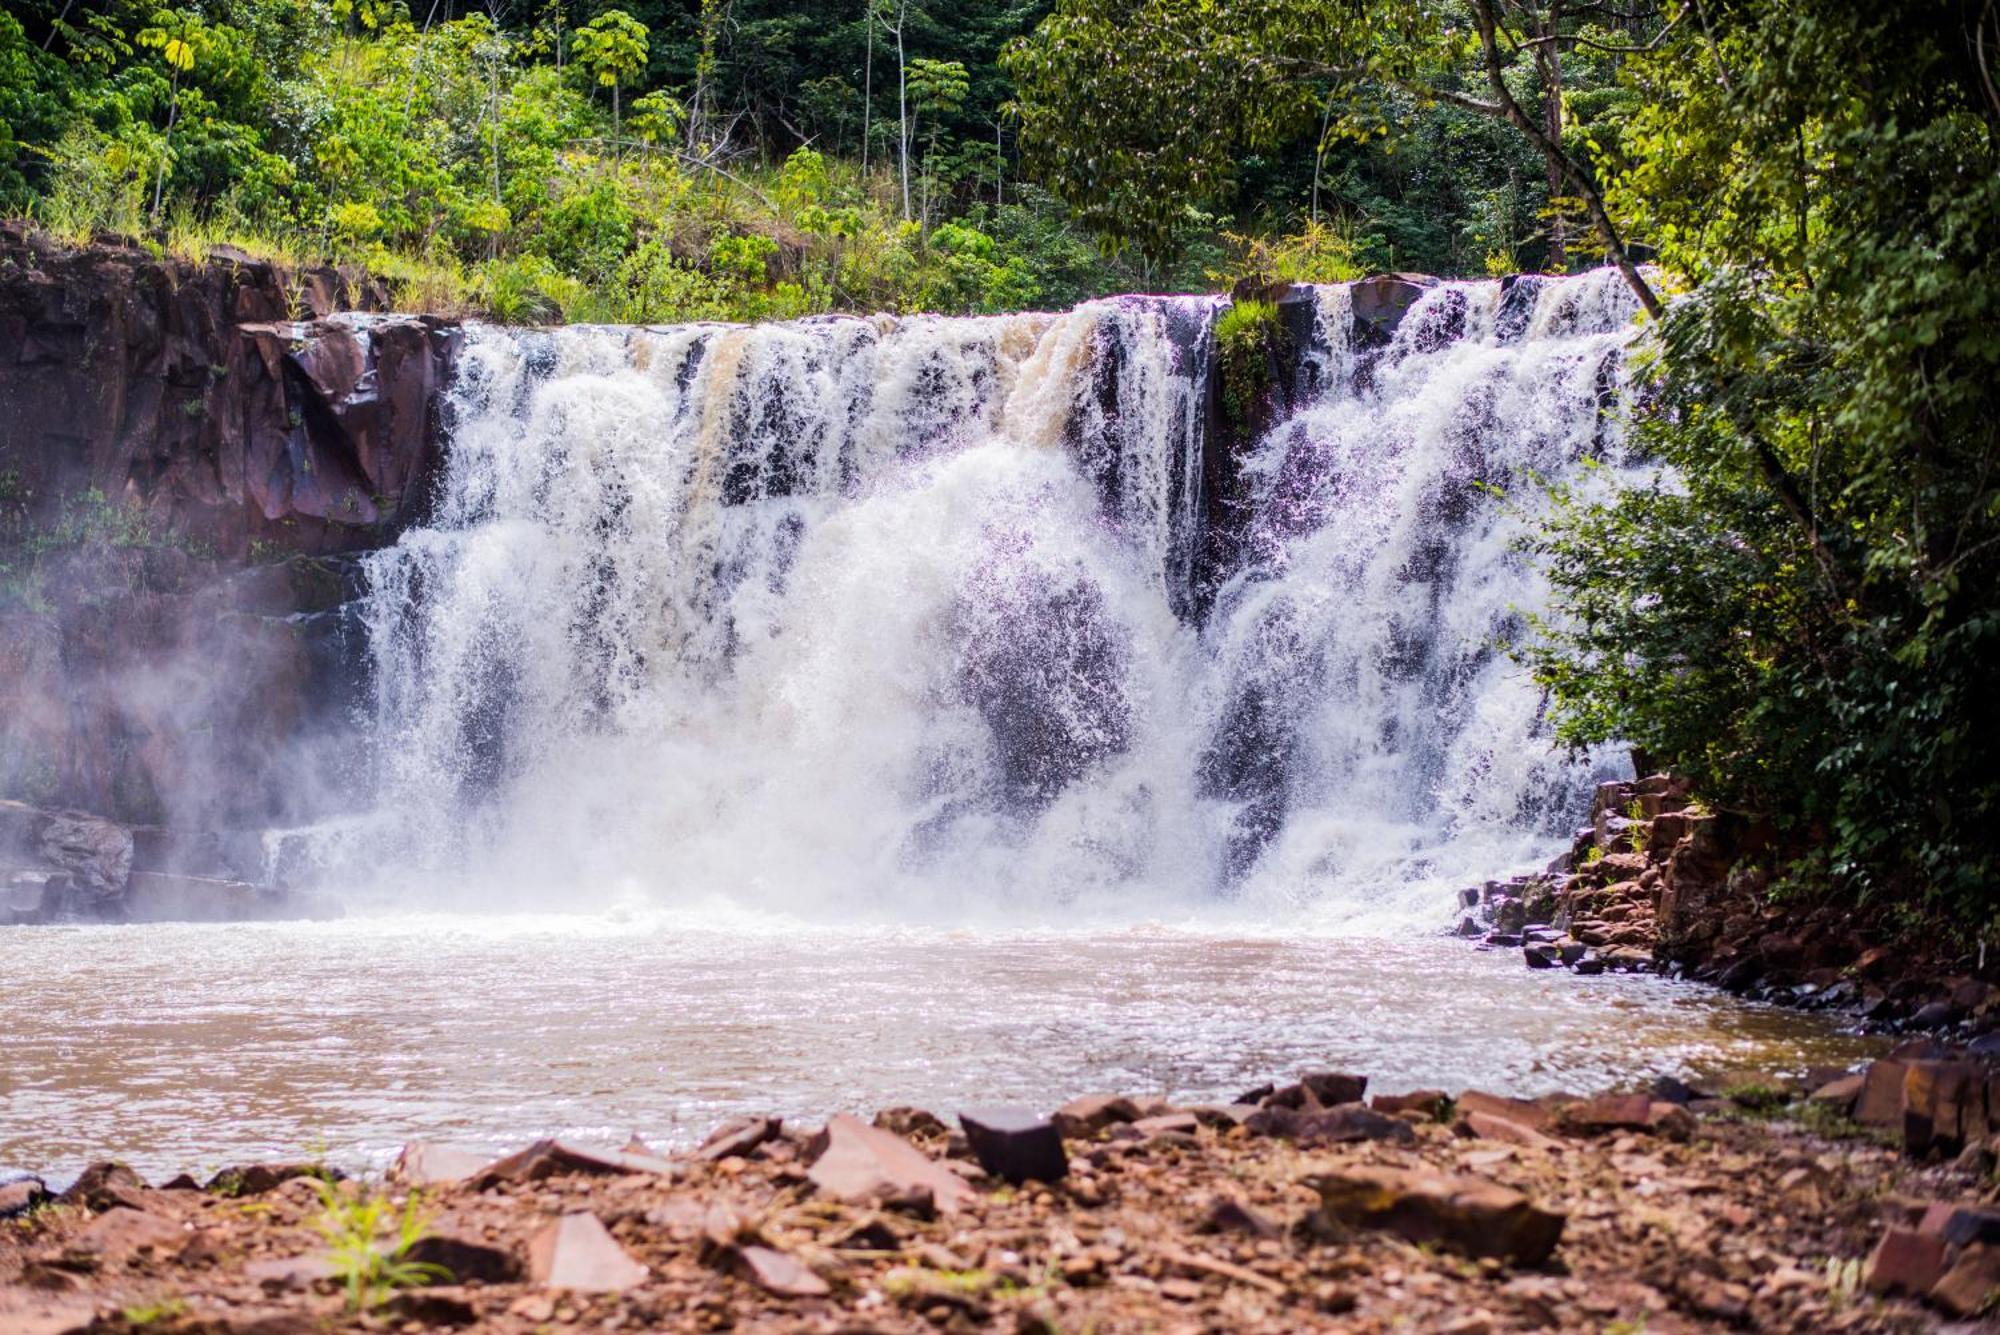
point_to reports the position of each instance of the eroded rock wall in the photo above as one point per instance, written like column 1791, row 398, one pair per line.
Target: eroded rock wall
column 191, row 456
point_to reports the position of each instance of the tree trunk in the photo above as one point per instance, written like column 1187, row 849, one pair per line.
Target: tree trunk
column 167, row 148
column 1548, row 59
column 903, row 110
column 867, row 90
column 1509, row 109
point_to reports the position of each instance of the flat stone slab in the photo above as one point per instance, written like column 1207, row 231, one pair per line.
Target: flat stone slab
column 576, row 1252
column 854, row 1162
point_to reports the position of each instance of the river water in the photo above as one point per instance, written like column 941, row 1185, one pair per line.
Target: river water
column 189, row 1048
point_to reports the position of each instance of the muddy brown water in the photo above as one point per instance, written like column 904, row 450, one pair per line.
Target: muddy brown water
column 187, row 1048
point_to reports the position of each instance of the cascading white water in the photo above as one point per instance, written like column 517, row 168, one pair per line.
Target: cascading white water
column 905, row 615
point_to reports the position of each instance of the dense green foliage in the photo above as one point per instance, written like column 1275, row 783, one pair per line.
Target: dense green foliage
column 647, row 160
column 1804, row 614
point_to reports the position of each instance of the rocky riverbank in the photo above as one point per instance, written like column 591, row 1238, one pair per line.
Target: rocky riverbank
column 1300, row 1208
column 1654, row 882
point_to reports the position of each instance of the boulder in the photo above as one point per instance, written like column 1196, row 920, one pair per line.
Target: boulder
column 424, row 1164
column 1468, row 1214
column 1840, row 1095
column 1015, row 1145
column 1348, row 1123
column 1381, row 302
column 121, row 1232
column 860, row 1164
column 1521, row 1111
column 1082, row 1118
column 1944, row 1106
column 558, row 1158
column 1610, row 1112
column 1906, row 1261
column 465, row 1259
column 576, row 1252
column 1881, row 1100
column 1430, row 1103
column 1164, row 1124
column 776, row 1273
column 21, row 1195
column 738, row 1137
column 1971, row 1286
column 104, row 1186
column 910, row 1123
column 1961, row 1225
column 1330, row 1089
column 257, row 1178
column 1491, row 1126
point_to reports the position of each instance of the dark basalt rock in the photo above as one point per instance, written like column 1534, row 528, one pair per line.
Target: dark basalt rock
column 1015, row 1145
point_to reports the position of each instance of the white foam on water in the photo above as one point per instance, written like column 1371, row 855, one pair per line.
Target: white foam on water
column 899, row 621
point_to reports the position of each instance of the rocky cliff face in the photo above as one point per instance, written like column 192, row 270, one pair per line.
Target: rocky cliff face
column 189, row 457
column 226, row 406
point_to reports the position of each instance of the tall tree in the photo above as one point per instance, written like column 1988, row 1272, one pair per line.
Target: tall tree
column 1133, row 109
column 612, row 47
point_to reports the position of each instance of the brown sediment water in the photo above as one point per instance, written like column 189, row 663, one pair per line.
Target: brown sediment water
column 186, row 1048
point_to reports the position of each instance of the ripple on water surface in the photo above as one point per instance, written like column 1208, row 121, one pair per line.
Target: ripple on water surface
column 188, row 1047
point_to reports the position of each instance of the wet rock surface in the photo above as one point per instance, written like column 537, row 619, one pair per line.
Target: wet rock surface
column 1747, row 1222
column 1656, row 883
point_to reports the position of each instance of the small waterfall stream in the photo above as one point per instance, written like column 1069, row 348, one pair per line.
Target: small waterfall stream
column 889, row 615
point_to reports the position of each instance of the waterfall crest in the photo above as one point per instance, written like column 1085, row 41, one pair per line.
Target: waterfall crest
column 899, row 615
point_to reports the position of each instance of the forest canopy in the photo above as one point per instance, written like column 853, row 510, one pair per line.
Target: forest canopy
column 549, row 159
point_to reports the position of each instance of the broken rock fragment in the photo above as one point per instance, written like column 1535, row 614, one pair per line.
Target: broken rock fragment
column 576, row 1252
column 1015, row 1145
column 860, row 1164
column 1469, row 1214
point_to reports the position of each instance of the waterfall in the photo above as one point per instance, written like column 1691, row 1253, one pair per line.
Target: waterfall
column 900, row 615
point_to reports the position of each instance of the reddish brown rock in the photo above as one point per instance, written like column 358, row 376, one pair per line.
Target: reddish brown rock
column 557, row 1158
column 461, row 1260
column 1081, row 1118
column 1841, row 1094
column 575, row 1252
column 104, row 1186
column 1881, row 1101
column 1345, row 1124
column 257, row 1178
column 120, row 1232
column 1971, row 1286
column 1610, row 1112
column 1906, row 1261
column 738, row 1137
column 776, row 1273
column 1521, row 1111
column 19, row 1197
column 423, row 1164
column 1490, row 1126
column 854, row 1162
column 1015, row 1145
column 1469, row 1214
column 1430, row 1103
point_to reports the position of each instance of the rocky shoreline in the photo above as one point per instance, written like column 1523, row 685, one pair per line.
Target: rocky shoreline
column 1656, row 883
column 1301, row 1207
